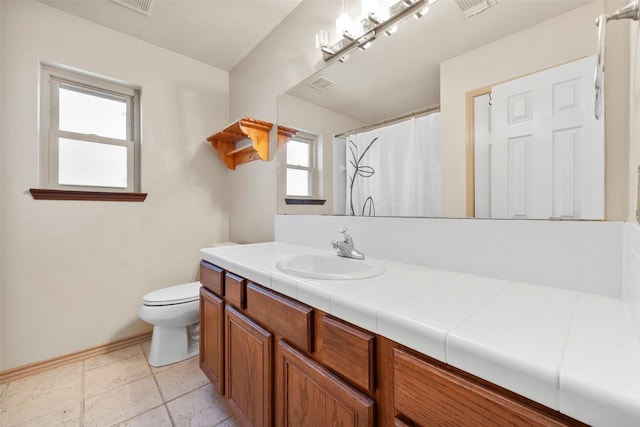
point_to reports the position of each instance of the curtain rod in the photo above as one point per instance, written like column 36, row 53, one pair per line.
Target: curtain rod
column 420, row 112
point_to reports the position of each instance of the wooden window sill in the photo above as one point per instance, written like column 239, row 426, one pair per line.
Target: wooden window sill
column 304, row 201
column 104, row 196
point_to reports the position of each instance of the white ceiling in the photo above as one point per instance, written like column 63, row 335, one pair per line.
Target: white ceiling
column 217, row 32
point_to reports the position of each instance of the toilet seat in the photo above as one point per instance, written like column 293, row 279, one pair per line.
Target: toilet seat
column 172, row 295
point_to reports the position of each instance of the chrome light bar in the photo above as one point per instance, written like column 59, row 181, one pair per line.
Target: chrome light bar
column 404, row 10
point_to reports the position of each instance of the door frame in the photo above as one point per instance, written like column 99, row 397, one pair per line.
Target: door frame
column 470, row 135
column 470, row 144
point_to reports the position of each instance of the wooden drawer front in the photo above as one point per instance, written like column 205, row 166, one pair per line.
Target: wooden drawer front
column 234, row 288
column 290, row 319
column 348, row 351
column 426, row 394
column 212, row 278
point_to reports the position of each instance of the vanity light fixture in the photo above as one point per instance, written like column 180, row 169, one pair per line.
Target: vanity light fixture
column 372, row 18
column 348, row 36
column 391, row 31
column 327, row 50
column 376, row 20
column 419, row 14
column 365, row 45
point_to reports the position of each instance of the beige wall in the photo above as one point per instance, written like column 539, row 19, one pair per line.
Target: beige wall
column 617, row 115
column 74, row 273
column 634, row 119
column 1, row 143
column 284, row 58
column 534, row 49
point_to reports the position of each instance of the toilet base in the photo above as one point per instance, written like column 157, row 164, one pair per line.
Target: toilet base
column 170, row 345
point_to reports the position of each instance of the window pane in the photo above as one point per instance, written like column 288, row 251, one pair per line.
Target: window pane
column 297, row 182
column 298, row 153
column 87, row 113
column 91, row 164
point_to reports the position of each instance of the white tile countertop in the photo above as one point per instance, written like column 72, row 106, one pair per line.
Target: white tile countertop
column 573, row 352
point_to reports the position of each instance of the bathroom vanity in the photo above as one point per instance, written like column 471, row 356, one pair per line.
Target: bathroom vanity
column 290, row 351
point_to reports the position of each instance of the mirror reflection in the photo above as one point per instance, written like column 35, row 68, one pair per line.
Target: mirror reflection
column 397, row 130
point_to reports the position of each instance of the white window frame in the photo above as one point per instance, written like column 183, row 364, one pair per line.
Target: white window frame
column 312, row 140
column 52, row 78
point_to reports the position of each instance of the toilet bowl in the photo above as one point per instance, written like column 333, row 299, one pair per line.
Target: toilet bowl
column 174, row 313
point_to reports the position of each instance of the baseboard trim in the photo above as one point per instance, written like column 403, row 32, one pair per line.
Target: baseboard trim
column 37, row 367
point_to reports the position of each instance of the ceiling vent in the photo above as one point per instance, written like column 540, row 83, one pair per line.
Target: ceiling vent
column 321, row 83
column 473, row 7
column 140, row 6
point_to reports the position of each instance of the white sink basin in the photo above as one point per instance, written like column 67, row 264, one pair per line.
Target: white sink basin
column 328, row 267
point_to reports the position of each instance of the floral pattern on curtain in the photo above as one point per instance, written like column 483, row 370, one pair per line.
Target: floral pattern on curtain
column 395, row 170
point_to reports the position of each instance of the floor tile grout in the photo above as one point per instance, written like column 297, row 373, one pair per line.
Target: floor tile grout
column 5, row 387
column 82, row 392
column 164, row 402
column 184, row 379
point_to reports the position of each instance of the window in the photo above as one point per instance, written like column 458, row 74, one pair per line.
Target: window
column 301, row 166
column 90, row 133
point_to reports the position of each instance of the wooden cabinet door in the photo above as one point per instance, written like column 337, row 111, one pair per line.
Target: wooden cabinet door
column 310, row 395
column 212, row 338
column 249, row 367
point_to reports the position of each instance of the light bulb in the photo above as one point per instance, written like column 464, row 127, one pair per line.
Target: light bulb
column 343, row 23
column 376, row 8
column 322, row 38
column 369, row 6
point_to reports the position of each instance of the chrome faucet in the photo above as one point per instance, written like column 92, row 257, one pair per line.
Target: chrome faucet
column 344, row 245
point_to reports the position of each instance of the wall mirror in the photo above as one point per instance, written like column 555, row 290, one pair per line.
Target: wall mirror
column 437, row 69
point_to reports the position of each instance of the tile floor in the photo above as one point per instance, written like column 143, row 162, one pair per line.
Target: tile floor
column 115, row 389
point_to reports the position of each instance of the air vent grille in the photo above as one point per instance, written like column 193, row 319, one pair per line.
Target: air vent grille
column 140, row 6
column 473, row 7
column 321, row 83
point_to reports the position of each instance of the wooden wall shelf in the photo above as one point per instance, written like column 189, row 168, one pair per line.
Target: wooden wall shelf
column 234, row 154
column 284, row 135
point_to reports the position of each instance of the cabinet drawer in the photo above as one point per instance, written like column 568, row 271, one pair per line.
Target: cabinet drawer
column 290, row 319
column 212, row 278
column 234, row 289
column 426, row 394
column 349, row 351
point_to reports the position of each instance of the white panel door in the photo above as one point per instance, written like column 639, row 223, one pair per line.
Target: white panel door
column 547, row 156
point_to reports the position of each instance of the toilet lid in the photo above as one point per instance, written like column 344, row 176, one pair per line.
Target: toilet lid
column 177, row 294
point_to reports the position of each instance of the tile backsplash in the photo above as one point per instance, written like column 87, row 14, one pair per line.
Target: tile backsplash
column 581, row 256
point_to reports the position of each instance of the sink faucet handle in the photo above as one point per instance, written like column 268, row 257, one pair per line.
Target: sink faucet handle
column 343, row 236
column 344, row 244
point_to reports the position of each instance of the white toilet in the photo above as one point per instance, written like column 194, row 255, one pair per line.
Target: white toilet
column 174, row 313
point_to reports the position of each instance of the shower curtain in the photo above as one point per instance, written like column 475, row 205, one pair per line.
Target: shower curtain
column 395, row 170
